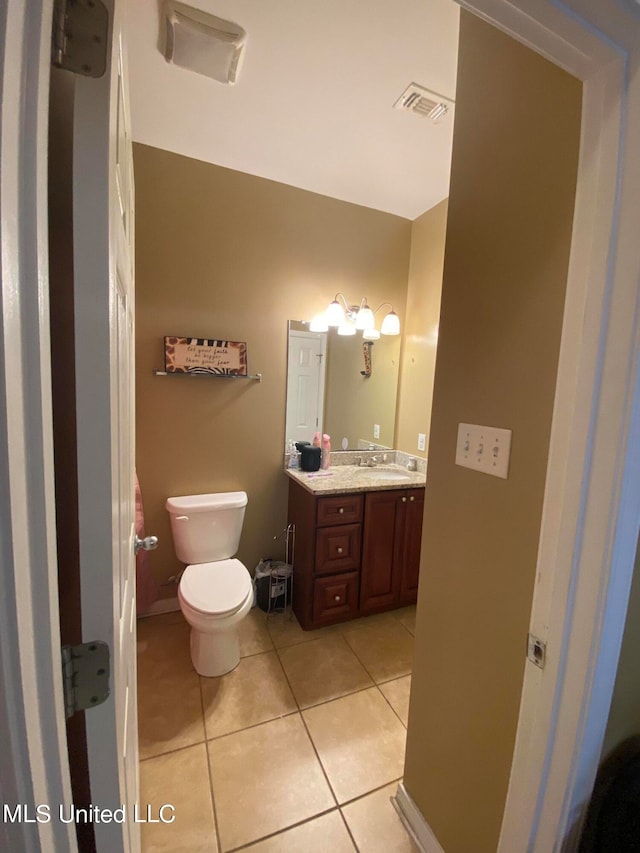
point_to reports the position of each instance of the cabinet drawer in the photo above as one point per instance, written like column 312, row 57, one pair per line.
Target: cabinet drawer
column 335, row 597
column 338, row 548
column 341, row 509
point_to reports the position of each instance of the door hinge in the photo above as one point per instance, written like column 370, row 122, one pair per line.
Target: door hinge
column 85, row 676
column 536, row 650
column 80, row 36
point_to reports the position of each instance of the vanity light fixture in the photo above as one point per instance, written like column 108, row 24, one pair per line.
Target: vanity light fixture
column 349, row 318
column 319, row 324
column 348, row 327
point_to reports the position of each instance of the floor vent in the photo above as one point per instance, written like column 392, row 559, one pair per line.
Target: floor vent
column 416, row 99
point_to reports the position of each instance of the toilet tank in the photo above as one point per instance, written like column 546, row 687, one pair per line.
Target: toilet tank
column 206, row 527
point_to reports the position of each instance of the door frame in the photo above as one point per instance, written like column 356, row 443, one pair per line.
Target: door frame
column 592, row 502
column 35, row 768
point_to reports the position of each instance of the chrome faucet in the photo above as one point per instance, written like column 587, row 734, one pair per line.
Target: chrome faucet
column 370, row 462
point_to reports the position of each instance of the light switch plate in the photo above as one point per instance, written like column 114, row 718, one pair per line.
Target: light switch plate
column 484, row 448
column 376, row 430
column 422, row 441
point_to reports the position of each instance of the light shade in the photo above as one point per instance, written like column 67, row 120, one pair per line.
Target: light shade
column 364, row 318
column 371, row 335
column 347, row 328
column 391, row 324
column 335, row 314
column 319, row 324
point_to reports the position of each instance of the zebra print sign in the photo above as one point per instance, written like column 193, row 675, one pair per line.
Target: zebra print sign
column 205, row 355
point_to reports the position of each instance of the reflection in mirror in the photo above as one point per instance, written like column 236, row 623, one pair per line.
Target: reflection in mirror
column 328, row 388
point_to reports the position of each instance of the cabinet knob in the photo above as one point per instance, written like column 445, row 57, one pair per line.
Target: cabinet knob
column 404, row 500
column 336, row 598
column 412, row 498
column 339, row 550
column 341, row 510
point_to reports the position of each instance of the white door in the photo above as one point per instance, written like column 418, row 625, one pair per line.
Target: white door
column 305, row 384
column 104, row 330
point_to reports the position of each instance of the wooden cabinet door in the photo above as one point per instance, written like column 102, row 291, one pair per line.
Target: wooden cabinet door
column 378, row 577
column 410, row 549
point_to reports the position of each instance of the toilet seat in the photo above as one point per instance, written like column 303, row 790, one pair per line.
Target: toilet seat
column 217, row 588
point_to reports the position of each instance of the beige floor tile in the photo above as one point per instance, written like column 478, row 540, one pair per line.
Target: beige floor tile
column 174, row 617
column 254, row 692
column 323, row 669
column 253, row 635
column 407, row 616
column 180, row 779
column 360, row 742
column 375, row 825
column 169, row 703
column 397, row 694
column 265, row 779
column 319, row 835
column 287, row 632
column 384, row 646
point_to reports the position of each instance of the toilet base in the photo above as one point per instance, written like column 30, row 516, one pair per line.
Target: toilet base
column 214, row 654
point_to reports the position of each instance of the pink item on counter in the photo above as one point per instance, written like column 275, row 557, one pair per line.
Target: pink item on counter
column 147, row 589
column 326, row 451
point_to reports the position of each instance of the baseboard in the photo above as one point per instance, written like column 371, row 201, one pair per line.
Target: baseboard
column 162, row 605
column 415, row 823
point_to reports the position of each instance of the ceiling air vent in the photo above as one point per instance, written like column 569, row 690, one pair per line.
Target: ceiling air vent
column 416, row 99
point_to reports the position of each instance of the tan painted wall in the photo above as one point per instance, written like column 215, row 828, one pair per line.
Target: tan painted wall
column 624, row 715
column 508, row 237
column 224, row 254
column 421, row 328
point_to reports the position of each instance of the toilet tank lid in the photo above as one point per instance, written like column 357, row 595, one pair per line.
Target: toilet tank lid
column 206, row 503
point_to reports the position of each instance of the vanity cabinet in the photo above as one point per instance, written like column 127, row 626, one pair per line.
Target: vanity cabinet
column 354, row 553
column 391, row 549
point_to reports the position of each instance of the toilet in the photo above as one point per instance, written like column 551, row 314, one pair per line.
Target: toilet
column 215, row 591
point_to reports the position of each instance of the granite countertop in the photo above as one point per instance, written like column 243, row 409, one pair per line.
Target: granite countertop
column 341, row 479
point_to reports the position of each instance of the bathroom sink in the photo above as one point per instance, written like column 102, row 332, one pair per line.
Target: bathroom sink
column 386, row 474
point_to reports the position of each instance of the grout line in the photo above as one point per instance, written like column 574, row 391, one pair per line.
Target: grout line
column 283, row 830
column 206, row 747
column 170, row 751
column 348, row 828
column 391, row 706
column 253, row 725
column 372, row 791
column 336, row 698
column 306, row 728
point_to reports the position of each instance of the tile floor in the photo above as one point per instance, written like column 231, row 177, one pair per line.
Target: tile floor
column 298, row 750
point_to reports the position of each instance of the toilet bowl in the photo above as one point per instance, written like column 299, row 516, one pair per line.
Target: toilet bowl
column 215, row 591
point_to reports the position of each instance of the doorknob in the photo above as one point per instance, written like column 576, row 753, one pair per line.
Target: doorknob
column 149, row 543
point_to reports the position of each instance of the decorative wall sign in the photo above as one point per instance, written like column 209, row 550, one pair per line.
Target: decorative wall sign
column 204, row 355
column 366, row 349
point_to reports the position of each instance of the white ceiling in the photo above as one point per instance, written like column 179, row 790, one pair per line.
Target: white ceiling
column 313, row 106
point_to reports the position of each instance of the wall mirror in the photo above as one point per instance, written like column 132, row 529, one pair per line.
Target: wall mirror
column 331, row 388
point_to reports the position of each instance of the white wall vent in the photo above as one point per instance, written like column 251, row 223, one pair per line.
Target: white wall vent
column 203, row 43
column 416, row 99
